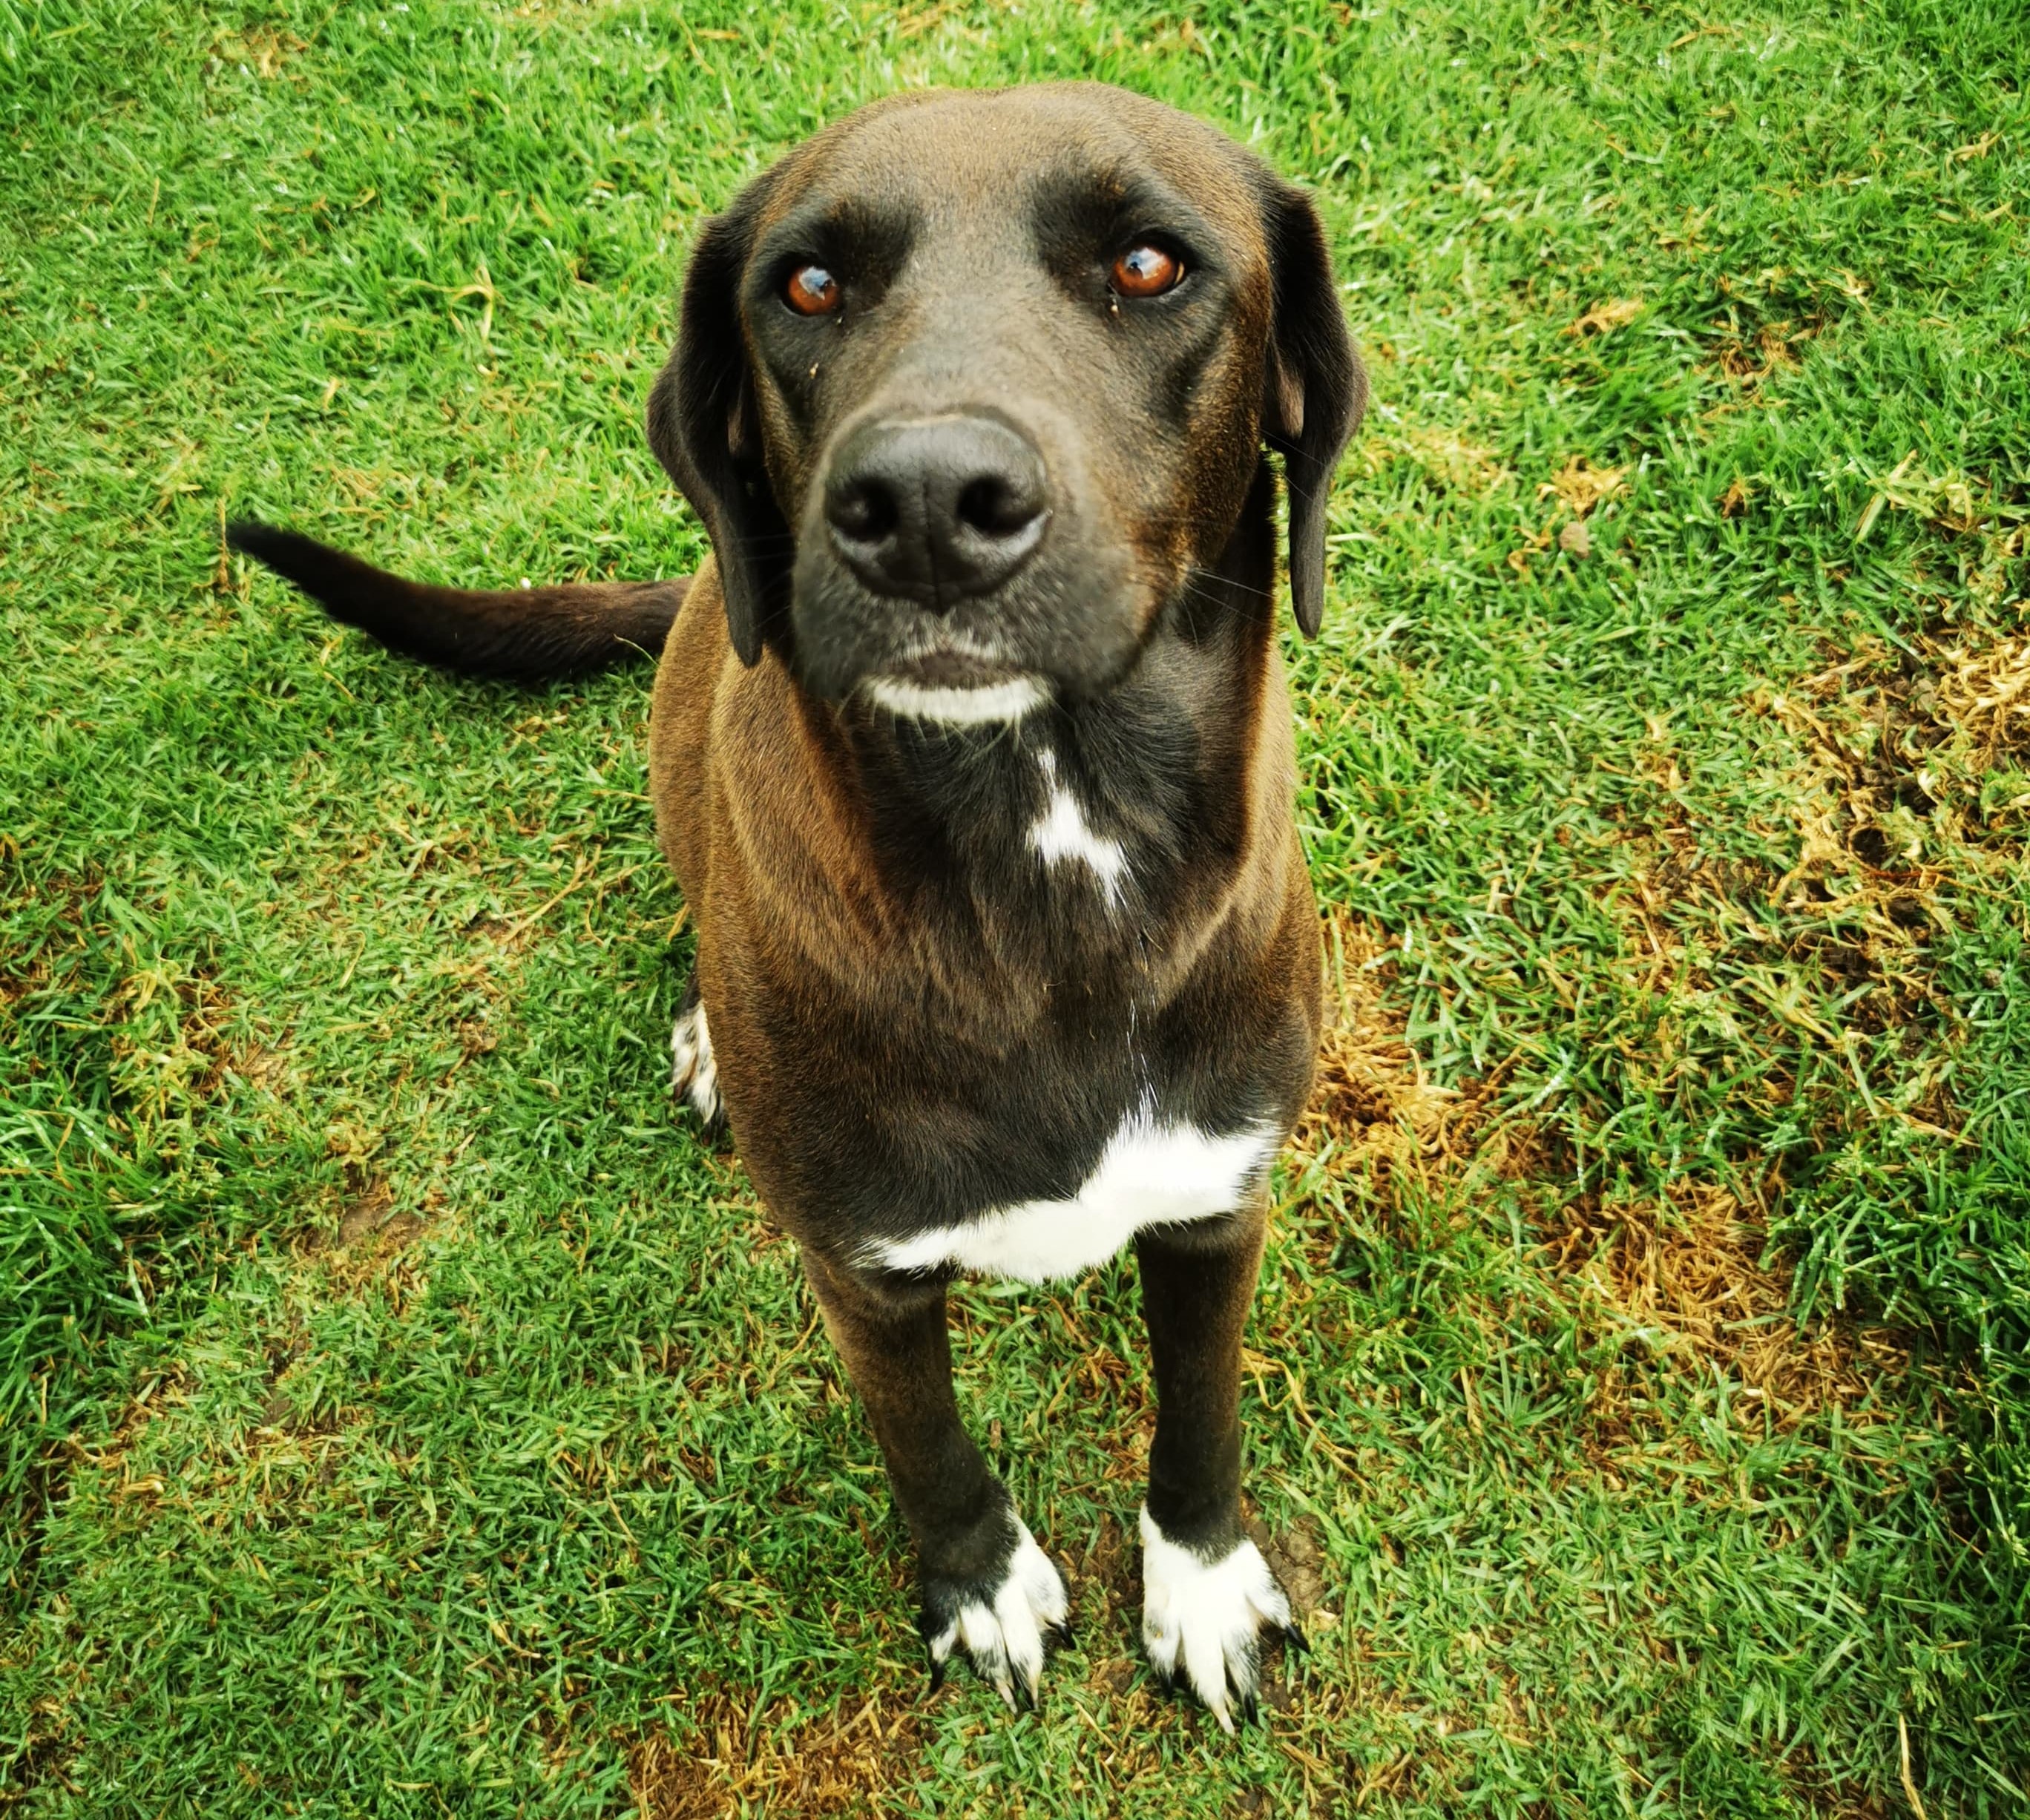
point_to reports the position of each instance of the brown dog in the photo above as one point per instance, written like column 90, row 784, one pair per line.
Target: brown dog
column 972, row 751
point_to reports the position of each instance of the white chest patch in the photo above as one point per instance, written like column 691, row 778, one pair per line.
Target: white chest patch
column 1062, row 834
column 1149, row 1174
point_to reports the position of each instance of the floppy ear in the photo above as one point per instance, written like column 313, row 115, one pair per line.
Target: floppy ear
column 1315, row 390
column 705, row 431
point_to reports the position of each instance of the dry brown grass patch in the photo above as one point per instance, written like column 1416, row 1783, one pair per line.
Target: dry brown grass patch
column 1580, row 486
column 1607, row 316
column 1903, row 752
column 1753, row 359
column 1983, row 695
column 172, row 1040
column 260, row 50
column 1457, row 465
column 1692, row 1280
column 1915, row 787
column 1372, row 1104
column 1450, row 462
column 837, row 1764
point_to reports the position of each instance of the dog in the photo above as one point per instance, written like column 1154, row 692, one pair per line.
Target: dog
column 972, row 754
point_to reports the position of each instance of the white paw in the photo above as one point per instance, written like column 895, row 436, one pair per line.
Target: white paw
column 1202, row 1622
column 1003, row 1640
column 694, row 1072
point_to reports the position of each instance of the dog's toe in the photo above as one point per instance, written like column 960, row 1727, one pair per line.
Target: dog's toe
column 693, row 1069
column 1202, row 1621
column 1000, row 1629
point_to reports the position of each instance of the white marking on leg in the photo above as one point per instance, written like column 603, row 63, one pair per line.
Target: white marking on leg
column 997, row 703
column 1062, row 833
column 693, row 1068
column 1005, row 1640
column 1149, row 1175
column 1202, row 1622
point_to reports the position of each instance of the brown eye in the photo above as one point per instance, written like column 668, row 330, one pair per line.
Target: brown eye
column 812, row 291
column 1146, row 271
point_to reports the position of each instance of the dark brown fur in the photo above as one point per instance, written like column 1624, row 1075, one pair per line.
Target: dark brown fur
column 518, row 633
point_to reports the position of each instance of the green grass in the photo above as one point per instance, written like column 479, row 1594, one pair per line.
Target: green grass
column 401, row 1412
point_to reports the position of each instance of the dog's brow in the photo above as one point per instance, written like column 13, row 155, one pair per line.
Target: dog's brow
column 1071, row 202
column 857, row 232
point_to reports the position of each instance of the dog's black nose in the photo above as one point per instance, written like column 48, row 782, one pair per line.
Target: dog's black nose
column 936, row 509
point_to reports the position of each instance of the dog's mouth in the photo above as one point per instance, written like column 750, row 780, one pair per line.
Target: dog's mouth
column 958, row 684
column 953, row 666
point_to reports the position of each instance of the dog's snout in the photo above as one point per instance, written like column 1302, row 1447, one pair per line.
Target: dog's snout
column 936, row 509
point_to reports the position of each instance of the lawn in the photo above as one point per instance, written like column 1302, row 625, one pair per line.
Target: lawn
column 402, row 1412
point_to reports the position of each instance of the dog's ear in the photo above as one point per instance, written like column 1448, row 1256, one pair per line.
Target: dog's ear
column 705, row 430
column 1315, row 389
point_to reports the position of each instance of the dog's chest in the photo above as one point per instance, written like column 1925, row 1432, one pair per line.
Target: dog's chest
column 1153, row 1171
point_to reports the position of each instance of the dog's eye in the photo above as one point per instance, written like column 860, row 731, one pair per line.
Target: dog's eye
column 812, row 291
column 1147, row 270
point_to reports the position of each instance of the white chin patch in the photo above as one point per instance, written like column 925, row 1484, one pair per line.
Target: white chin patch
column 1201, row 1623
column 999, row 703
column 1004, row 1641
column 694, row 1070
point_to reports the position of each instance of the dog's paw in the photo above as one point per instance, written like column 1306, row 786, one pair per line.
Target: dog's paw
column 1202, row 1622
column 999, row 1626
column 694, row 1072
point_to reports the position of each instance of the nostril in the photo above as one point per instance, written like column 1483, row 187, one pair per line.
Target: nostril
column 935, row 510
column 866, row 512
column 993, row 506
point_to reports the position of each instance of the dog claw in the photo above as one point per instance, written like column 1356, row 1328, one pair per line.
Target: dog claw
column 1203, row 1621
column 1003, row 1633
column 1295, row 1639
column 1018, row 1693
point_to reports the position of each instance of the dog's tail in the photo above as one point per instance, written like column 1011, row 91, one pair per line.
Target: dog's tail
column 527, row 634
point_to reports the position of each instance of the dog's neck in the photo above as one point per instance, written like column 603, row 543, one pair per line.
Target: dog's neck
column 1091, row 849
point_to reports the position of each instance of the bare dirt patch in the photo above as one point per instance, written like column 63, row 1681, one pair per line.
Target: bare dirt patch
column 1298, row 1557
column 372, row 1244
column 366, row 1213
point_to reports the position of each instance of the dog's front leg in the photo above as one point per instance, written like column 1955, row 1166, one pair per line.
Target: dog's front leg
column 987, row 1589
column 1207, row 1594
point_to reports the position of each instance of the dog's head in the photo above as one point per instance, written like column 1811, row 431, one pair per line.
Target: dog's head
column 968, row 385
